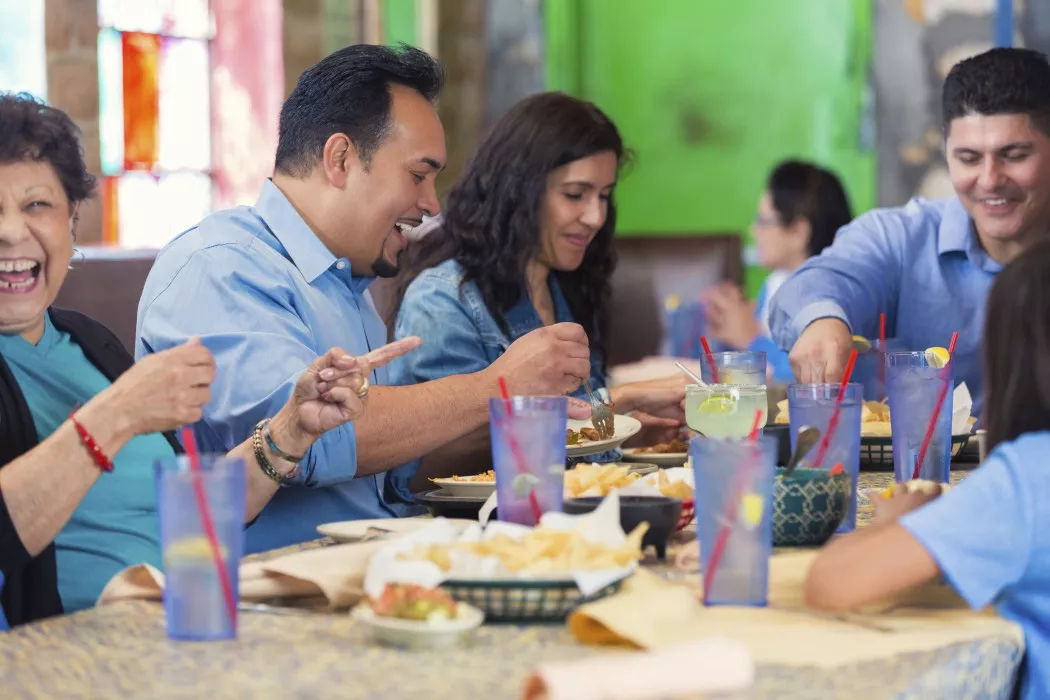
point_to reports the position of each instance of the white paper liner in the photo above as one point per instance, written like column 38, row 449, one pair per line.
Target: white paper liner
column 600, row 526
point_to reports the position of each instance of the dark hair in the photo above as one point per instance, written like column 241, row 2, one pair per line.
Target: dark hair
column 492, row 220
column 348, row 93
column 1016, row 348
column 30, row 130
column 805, row 191
column 1000, row 81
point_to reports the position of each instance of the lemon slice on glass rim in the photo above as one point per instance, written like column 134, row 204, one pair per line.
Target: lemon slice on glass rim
column 861, row 344
column 937, row 357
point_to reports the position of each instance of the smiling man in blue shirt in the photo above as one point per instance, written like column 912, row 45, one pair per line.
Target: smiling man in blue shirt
column 928, row 265
column 268, row 288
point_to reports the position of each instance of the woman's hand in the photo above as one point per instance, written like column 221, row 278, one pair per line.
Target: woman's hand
column 730, row 317
column 660, row 398
column 333, row 390
column 162, row 391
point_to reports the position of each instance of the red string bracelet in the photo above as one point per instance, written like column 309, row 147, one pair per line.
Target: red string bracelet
column 101, row 460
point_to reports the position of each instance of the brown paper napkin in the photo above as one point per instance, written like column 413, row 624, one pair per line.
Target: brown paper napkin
column 651, row 613
column 335, row 573
column 708, row 666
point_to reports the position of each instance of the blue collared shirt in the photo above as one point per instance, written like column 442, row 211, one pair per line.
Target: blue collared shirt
column 920, row 264
column 990, row 537
column 267, row 298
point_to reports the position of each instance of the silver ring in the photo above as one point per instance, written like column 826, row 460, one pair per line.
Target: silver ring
column 363, row 391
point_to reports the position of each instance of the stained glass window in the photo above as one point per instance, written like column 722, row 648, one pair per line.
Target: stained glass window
column 190, row 93
column 22, row 60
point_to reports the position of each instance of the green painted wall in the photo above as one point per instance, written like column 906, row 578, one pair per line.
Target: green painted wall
column 711, row 93
column 399, row 22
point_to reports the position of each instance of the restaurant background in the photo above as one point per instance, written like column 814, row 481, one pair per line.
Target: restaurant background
column 179, row 117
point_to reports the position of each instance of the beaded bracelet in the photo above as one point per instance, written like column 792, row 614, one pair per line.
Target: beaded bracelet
column 97, row 455
column 264, row 462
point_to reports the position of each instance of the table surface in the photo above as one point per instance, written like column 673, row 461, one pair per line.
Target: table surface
column 121, row 651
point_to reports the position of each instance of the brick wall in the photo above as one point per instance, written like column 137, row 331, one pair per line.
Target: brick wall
column 71, row 41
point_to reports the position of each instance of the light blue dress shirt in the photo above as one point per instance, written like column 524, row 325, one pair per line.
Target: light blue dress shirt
column 920, row 264
column 267, row 297
column 115, row 525
column 990, row 536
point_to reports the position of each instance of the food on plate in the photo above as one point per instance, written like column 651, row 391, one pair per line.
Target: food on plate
column 874, row 418
column 924, row 485
column 599, row 480
column 541, row 551
column 575, row 437
column 664, row 448
column 484, row 477
column 408, row 601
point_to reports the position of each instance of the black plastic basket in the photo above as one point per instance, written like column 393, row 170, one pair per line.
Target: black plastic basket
column 524, row 601
column 877, row 452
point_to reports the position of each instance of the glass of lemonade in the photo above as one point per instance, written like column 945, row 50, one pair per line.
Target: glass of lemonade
column 724, row 410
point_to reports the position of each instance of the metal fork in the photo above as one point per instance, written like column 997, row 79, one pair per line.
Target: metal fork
column 601, row 415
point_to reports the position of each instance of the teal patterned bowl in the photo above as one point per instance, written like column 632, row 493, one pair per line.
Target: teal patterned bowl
column 808, row 506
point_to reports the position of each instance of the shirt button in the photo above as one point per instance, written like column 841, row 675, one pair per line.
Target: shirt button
column 341, row 264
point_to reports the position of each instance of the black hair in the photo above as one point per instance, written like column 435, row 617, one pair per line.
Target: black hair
column 805, row 191
column 999, row 81
column 1016, row 345
column 348, row 93
column 492, row 222
column 31, row 130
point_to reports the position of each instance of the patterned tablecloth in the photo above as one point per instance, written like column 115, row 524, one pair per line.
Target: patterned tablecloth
column 120, row 651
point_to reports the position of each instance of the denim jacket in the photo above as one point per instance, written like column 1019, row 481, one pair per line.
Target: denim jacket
column 460, row 336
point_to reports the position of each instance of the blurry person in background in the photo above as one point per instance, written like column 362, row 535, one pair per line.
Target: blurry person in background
column 801, row 209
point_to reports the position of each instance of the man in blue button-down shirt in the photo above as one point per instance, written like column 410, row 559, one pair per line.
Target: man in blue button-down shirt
column 928, row 265
column 268, row 288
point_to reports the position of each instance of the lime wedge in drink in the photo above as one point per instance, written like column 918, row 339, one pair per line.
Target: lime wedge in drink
column 937, row 357
column 861, row 344
column 717, row 404
column 751, row 509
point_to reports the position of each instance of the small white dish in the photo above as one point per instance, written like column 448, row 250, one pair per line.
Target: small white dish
column 420, row 634
column 355, row 530
column 478, row 489
column 661, row 459
column 624, row 427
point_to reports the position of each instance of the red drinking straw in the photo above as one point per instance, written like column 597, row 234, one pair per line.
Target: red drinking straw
column 834, row 422
column 882, row 351
column 518, row 457
column 207, row 524
column 936, row 410
column 710, row 359
column 728, row 512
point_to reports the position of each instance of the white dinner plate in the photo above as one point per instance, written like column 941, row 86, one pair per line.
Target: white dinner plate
column 624, row 427
column 662, row 459
column 481, row 489
column 354, row 530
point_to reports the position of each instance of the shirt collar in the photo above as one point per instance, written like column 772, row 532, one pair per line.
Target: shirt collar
column 303, row 246
column 956, row 234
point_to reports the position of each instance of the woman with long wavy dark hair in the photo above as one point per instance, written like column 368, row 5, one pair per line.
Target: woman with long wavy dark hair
column 525, row 242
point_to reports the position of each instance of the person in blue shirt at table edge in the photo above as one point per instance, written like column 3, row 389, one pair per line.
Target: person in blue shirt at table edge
column 81, row 426
column 801, row 210
column 267, row 287
column 928, row 265
column 989, row 536
column 526, row 241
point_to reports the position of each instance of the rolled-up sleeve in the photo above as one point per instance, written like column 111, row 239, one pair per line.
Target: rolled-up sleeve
column 853, row 280
column 248, row 319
